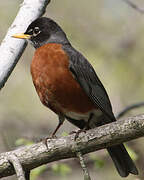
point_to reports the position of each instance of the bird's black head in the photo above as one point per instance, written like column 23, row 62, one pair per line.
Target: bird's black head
column 42, row 31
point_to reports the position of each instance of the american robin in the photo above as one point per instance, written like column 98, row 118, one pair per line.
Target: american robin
column 67, row 84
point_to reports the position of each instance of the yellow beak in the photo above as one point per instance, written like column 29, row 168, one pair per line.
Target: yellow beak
column 22, row 36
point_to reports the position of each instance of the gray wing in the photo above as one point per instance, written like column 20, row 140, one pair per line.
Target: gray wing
column 89, row 81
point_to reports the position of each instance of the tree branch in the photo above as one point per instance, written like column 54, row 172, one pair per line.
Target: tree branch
column 134, row 6
column 129, row 108
column 12, row 49
column 83, row 165
column 37, row 154
column 17, row 166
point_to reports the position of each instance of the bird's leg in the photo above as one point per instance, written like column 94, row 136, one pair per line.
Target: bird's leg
column 61, row 120
column 86, row 127
column 88, row 122
column 78, row 132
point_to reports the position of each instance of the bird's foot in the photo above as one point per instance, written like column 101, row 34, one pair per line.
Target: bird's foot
column 48, row 138
column 77, row 133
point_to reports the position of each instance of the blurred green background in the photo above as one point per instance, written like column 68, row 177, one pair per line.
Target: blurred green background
column 111, row 35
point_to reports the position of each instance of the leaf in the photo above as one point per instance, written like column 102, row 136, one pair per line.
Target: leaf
column 132, row 154
column 98, row 163
column 65, row 134
column 37, row 171
column 61, row 169
column 23, row 141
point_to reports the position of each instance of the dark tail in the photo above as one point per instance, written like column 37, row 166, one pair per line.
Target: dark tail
column 122, row 160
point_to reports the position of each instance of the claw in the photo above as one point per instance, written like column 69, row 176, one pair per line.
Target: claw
column 72, row 132
column 77, row 133
column 50, row 137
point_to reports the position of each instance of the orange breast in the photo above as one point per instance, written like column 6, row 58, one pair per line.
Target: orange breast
column 55, row 84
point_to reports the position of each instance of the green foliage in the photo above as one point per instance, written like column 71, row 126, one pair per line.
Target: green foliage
column 38, row 171
column 61, row 169
column 131, row 152
column 98, row 163
column 23, row 141
column 64, row 134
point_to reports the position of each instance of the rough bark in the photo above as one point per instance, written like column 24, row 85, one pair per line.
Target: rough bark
column 65, row 147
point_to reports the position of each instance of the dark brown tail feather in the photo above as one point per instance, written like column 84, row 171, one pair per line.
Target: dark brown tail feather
column 122, row 160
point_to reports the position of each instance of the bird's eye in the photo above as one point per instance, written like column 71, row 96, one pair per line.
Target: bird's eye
column 36, row 30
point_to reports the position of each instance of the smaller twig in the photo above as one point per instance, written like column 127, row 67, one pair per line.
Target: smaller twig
column 129, row 108
column 134, row 6
column 21, row 175
column 84, row 168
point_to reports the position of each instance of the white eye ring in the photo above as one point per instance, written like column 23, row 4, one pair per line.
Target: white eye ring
column 36, row 31
column 36, row 28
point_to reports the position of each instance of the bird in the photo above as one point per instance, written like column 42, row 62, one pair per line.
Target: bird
column 67, row 84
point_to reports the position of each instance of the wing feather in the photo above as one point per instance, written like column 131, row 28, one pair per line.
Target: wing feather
column 89, row 81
